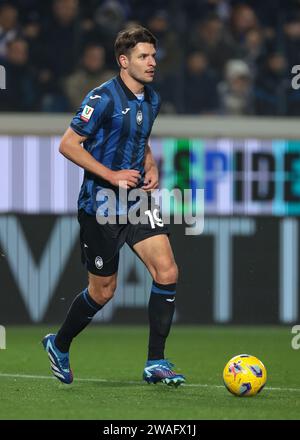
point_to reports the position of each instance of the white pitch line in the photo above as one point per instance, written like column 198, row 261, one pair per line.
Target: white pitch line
column 77, row 379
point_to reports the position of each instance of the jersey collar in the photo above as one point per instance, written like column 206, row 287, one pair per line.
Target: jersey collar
column 130, row 95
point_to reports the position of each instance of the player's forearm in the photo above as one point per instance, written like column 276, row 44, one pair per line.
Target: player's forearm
column 81, row 157
column 149, row 161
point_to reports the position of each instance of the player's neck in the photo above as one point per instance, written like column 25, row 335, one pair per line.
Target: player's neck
column 133, row 85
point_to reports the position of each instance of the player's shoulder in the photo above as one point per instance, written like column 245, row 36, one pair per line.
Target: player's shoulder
column 101, row 93
column 96, row 104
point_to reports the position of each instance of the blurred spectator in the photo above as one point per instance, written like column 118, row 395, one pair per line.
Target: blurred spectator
column 271, row 86
column 32, row 34
column 243, row 19
column 253, row 50
column 267, row 11
column 291, row 40
column 210, row 37
column 170, row 64
column 235, row 91
column 90, row 74
column 200, row 94
column 219, row 8
column 21, row 91
column 169, row 51
column 110, row 18
column 61, row 39
column 9, row 28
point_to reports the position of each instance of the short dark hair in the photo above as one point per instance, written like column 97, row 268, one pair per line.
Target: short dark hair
column 128, row 38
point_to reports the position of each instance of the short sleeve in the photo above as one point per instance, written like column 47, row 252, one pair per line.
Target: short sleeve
column 91, row 114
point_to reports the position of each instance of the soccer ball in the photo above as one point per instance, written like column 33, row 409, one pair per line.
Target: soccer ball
column 244, row 375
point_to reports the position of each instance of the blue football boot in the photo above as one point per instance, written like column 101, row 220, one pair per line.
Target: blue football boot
column 59, row 361
column 161, row 371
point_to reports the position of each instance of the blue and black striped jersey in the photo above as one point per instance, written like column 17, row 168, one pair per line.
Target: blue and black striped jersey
column 117, row 125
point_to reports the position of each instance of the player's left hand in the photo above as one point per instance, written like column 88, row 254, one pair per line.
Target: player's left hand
column 151, row 179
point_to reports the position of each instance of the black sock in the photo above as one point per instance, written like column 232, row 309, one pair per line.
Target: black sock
column 80, row 314
column 160, row 310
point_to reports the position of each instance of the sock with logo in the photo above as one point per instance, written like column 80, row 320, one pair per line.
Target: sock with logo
column 160, row 311
column 80, row 314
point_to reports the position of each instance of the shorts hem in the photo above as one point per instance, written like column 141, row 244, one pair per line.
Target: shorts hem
column 138, row 240
column 93, row 272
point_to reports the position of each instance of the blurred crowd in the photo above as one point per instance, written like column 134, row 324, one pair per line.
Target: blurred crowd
column 214, row 56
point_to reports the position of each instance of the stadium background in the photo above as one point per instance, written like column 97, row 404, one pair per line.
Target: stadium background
column 246, row 259
column 231, row 62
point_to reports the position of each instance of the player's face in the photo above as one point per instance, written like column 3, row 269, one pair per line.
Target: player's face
column 141, row 63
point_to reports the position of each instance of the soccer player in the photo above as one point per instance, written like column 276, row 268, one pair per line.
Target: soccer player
column 114, row 124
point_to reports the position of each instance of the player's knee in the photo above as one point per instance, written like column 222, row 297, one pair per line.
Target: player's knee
column 104, row 292
column 105, row 295
column 167, row 275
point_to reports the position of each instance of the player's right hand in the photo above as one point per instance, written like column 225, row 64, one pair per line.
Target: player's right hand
column 124, row 178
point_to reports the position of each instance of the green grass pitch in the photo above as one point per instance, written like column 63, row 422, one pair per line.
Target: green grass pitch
column 108, row 361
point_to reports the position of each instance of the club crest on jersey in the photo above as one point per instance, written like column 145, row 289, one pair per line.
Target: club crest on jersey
column 139, row 117
column 87, row 113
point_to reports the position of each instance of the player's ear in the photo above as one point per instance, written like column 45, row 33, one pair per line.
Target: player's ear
column 123, row 60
